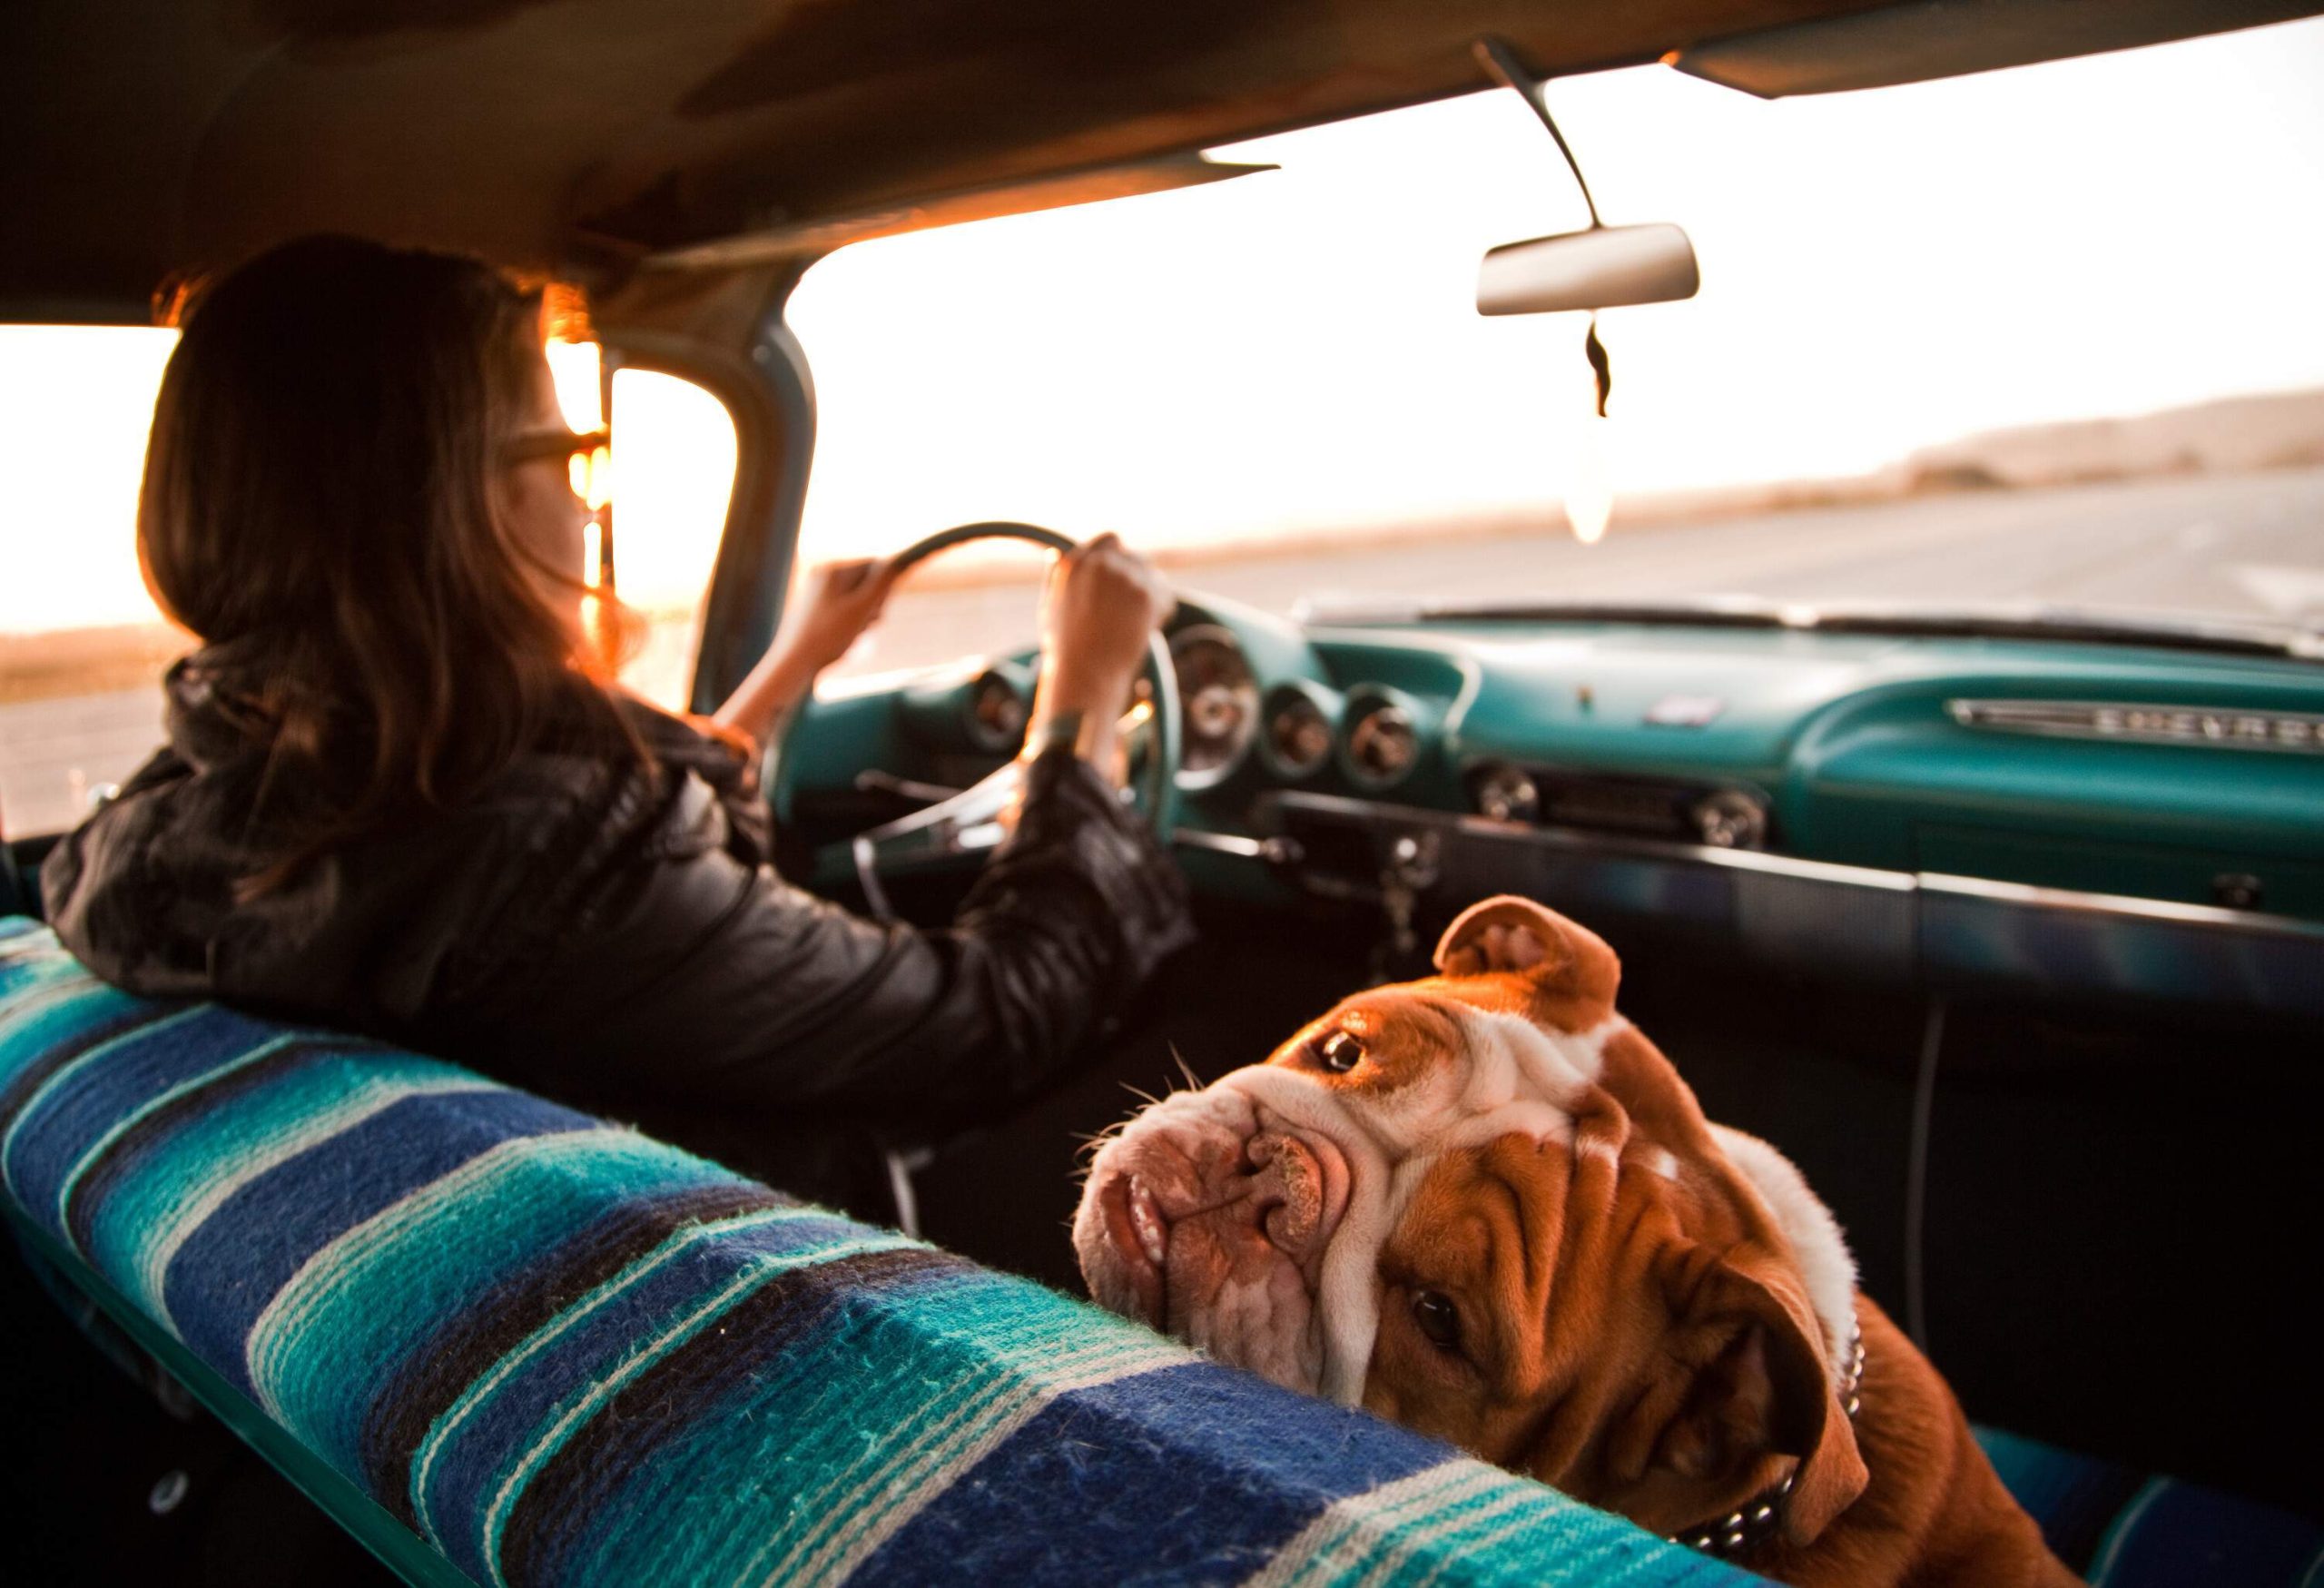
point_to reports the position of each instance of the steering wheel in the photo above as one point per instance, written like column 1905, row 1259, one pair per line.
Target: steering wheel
column 971, row 822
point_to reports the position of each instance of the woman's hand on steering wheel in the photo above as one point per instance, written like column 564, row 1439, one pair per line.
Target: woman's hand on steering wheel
column 1101, row 617
column 837, row 601
column 1102, row 605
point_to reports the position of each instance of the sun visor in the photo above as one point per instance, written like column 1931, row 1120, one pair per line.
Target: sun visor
column 1947, row 38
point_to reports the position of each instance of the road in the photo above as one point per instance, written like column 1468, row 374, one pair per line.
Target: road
column 2249, row 545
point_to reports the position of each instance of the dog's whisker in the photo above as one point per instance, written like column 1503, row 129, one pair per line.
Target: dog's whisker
column 1185, row 1069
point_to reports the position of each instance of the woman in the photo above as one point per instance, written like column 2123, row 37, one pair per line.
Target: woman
column 397, row 798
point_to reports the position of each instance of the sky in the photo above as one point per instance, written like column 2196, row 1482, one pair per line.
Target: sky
column 1299, row 349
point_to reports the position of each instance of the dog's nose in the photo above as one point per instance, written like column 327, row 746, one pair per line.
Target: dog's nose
column 1287, row 1190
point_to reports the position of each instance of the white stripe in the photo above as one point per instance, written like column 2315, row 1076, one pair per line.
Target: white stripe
column 146, row 1110
column 1391, row 1565
column 440, row 1432
column 1349, row 1529
column 200, row 1198
column 757, row 1273
column 26, row 1007
column 985, row 1426
column 1516, row 1500
column 40, row 1093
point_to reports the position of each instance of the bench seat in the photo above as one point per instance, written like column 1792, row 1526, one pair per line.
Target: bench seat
column 506, row 1343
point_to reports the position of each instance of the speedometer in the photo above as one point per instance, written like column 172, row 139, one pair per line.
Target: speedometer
column 1218, row 699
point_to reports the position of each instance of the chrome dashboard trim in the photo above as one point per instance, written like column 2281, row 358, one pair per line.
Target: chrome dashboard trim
column 2025, row 895
column 2033, row 620
column 2131, row 723
column 1919, row 928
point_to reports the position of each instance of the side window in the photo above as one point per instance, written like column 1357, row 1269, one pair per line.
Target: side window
column 82, row 646
column 671, row 475
column 81, row 643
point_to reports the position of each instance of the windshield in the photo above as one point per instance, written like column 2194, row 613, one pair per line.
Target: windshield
column 2049, row 336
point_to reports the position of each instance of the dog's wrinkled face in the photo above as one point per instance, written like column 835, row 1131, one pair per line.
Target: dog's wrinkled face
column 1484, row 1206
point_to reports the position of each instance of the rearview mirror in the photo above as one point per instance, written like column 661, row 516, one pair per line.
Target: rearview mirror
column 1605, row 267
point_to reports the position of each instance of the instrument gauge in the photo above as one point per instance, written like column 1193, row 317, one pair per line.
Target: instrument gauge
column 1218, row 702
column 1300, row 735
column 1383, row 742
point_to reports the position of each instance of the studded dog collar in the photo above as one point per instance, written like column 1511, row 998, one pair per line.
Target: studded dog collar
column 1743, row 1530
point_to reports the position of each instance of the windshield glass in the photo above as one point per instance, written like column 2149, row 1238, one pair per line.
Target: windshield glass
column 2045, row 336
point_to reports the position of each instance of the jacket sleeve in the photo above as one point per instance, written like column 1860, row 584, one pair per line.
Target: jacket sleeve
column 679, row 971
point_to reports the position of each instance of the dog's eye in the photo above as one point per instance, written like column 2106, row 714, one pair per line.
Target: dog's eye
column 1438, row 1318
column 1340, row 1053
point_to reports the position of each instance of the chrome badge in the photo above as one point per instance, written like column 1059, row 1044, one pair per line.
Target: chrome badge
column 2146, row 724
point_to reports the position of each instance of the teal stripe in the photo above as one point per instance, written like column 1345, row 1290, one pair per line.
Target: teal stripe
column 167, row 1192
column 145, row 1110
column 388, row 1285
column 1475, row 1524
column 49, row 1087
column 476, row 1398
column 61, row 1002
column 759, row 1271
column 842, row 1455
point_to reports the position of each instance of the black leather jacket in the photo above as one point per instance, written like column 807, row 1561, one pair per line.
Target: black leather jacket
column 615, row 937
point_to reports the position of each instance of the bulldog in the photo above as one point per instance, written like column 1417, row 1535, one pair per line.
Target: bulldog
column 1485, row 1205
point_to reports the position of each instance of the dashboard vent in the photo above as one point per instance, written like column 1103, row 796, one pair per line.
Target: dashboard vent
column 1722, row 816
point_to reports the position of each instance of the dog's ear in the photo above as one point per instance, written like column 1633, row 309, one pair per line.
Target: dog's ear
column 1507, row 935
column 1760, row 1387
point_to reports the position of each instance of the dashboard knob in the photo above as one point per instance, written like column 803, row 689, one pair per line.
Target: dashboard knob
column 2238, row 891
column 1731, row 819
column 1506, row 793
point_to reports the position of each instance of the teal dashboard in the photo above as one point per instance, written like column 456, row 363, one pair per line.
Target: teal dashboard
column 2065, row 807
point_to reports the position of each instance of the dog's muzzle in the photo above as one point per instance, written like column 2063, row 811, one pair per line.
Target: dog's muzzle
column 1210, row 1217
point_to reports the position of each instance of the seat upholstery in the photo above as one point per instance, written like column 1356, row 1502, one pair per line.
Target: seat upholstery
column 2121, row 1528
column 510, row 1343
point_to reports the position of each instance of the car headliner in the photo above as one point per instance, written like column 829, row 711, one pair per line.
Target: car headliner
column 584, row 136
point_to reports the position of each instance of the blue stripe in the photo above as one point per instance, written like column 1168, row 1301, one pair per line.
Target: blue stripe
column 135, row 1206
column 467, row 1340
column 757, row 1412
column 389, row 1297
column 148, row 1132
column 77, row 1101
column 472, row 1461
column 1146, row 1454
column 268, row 1229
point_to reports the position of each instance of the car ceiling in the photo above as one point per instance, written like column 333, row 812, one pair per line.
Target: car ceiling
column 138, row 137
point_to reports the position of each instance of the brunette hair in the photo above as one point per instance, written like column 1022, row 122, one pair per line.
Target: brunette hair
column 318, row 499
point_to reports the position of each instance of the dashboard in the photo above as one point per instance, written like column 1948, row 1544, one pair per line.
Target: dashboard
column 2068, row 814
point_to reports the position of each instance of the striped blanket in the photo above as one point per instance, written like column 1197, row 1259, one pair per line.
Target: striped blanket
column 513, row 1344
